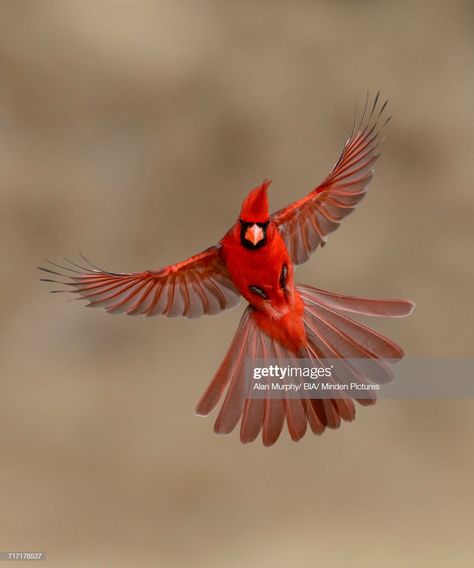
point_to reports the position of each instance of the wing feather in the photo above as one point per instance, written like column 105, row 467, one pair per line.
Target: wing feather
column 305, row 224
column 197, row 286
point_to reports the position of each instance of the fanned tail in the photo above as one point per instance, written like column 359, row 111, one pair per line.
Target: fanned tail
column 330, row 334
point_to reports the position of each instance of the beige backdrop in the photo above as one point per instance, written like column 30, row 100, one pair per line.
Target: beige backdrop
column 131, row 131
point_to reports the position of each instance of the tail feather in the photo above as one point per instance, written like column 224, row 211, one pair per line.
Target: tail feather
column 295, row 408
column 234, row 401
column 331, row 409
column 274, row 420
column 316, row 420
column 330, row 334
column 223, row 375
column 357, row 339
column 252, row 419
column 392, row 308
column 254, row 409
column 275, row 410
column 296, row 418
column 332, row 344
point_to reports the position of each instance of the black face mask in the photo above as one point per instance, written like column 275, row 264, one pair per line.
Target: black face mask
column 244, row 225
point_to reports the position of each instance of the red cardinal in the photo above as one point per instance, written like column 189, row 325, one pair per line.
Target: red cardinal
column 255, row 259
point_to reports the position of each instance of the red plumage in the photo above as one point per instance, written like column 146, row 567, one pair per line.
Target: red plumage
column 255, row 260
column 255, row 205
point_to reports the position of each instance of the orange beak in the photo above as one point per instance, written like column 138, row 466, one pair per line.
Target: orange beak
column 254, row 234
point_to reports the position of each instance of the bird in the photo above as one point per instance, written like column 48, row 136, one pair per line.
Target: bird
column 284, row 320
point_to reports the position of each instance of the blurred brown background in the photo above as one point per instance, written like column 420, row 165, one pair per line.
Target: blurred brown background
column 131, row 131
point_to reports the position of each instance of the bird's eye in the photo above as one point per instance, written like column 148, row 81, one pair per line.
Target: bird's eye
column 283, row 276
column 258, row 291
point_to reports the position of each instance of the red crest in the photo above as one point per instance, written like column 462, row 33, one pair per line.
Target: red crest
column 255, row 205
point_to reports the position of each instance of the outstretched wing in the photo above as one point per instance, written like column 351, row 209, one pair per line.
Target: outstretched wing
column 197, row 286
column 305, row 224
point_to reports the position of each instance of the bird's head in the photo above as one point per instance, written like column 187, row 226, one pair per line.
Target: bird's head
column 255, row 218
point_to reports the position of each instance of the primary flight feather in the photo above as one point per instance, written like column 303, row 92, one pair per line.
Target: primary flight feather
column 283, row 320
